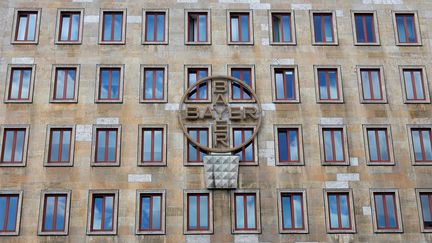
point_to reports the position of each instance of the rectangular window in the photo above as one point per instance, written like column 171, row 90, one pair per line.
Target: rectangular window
column 150, row 212
column 386, row 211
column 60, row 145
column 426, row 210
column 371, row 84
column 406, row 28
column 198, row 207
column 152, row 145
column 197, row 27
column 285, row 84
column 281, row 24
column 414, row 85
column 155, row 27
column 20, row 84
column 365, row 28
column 323, row 28
column 154, row 83
column 106, row 145
column 339, row 211
column 70, row 26
column 112, row 26
column 422, row 144
column 26, row 26
column 292, row 211
column 241, row 135
column 288, row 145
column 201, row 91
column 201, row 136
column 102, row 213
column 379, row 150
column 239, row 27
column 245, row 209
column 14, row 143
column 334, row 145
column 238, row 91
column 64, row 85
column 54, row 213
column 109, row 84
column 9, row 209
column 328, row 84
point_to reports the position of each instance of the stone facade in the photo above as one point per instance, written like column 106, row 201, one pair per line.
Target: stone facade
column 313, row 177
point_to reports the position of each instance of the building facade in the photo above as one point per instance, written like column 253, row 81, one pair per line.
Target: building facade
column 92, row 149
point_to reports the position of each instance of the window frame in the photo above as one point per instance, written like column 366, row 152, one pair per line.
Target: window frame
column 257, row 229
column 14, row 32
column 95, row 129
column 230, row 67
column 164, row 128
column 418, row 192
column 8, row 86
column 345, row 144
column 139, row 193
column 339, row 84
column 186, row 194
column 25, row 127
column 208, row 22
column 351, row 211
column 375, row 26
column 60, row 12
column 144, row 26
column 77, row 68
column 294, row 68
column 255, row 151
column 397, row 208
column 276, row 128
column 123, row 26
column 165, row 83
column 18, row 193
column 188, row 67
column 410, row 128
column 251, row 28
column 98, row 83
column 41, row 219
column 366, row 127
column 90, row 206
column 302, row 192
column 425, row 81
column 48, row 146
column 416, row 28
column 335, row 41
column 293, row 41
column 380, row 68
column 186, row 161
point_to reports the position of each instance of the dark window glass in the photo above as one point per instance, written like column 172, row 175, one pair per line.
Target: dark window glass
column 19, row 86
column 154, row 83
column 378, row 145
column 197, row 27
column 323, row 26
column 106, row 145
column 26, row 26
column 245, row 211
column 64, row 87
column 414, row 85
column 385, row 207
column 198, row 212
column 240, row 27
column 371, row 83
column 333, row 141
column 54, row 213
column 60, row 145
column 285, row 84
column 69, row 26
column 150, row 212
column 422, row 140
column 292, row 211
column 109, row 84
column 426, row 207
column 112, row 26
column 289, row 148
column 406, row 28
column 328, row 84
column 365, row 28
column 282, row 27
column 152, row 142
column 200, row 92
column 155, row 27
column 238, row 91
column 199, row 135
column 8, row 212
column 13, row 145
column 241, row 135
column 339, row 211
column 102, row 217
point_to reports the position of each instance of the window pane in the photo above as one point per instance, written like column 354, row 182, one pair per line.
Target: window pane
column 65, row 28
column 276, row 28
column 410, row 28
column 107, row 26
column 60, row 84
column 382, row 134
column 148, row 84
column 279, row 86
column 112, row 145
column 55, row 145
column 240, row 212
column 417, row 145
column 376, row 84
column 101, row 146
column 244, row 27
column 109, row 210
column 192, row 149
column 25, row 84
column 286, row 210
column 66, row 145
column 22, row 28
column 203, row 140
column 251, row 211
column 401, row 28
column 158, row 144
column 156, row 216
column 283, row 146
column 318, row 28
column 409, row 85
column 160, row 27
column 150, row 27
column 289, row 77
column 328, row 146
column 3, row 200
column 204, row 212
column 97, row 213
column 12, row 214
column 7, row 153
column 322, row 85
column 60, row 217
column 115, row 82
column 159, row 84
column 366, row 85
column 31, row 27
column 293, row 145
column 360, row 28
column 344, row 211
column 202, row 27
column 75, row 27
column 425, row 204
column 380, row 211
column 118, row 27
column 286, row 24
column 234, row 29
column 104, row 84
column 333, row 85
column 193, row 214
column 370, row 28
column 145, row 213
column 70, row 88
column 333, row 211
column 19, row 146
column 391, row 211
column 373, row 153
column 298, row 211
column 15, row 83
column 418, row 84
column 328, row 28
column 49, row 213
column 427, row 139
column 338, row 143
column 148, row 143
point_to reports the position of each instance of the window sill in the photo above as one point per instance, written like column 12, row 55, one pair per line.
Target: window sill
column 367, row 44
column 105, row 164
column 68, row 43
column 380, row 163
column 154, row 43
column 283, row 43
column 204, row 43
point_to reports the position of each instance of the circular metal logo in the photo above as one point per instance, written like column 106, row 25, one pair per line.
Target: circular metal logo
column 222, row 111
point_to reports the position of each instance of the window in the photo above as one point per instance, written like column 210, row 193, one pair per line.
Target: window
column 201, row 136
column 386, row 211
column 198, row 27
column 247, row 153
column 155, row 27
column 289, row 145
column 406, row 28
column 198, row 213
column 59, row 150
column 246, row 218
column 424, row 203
column 70, row 25
column 334, row 145
column 10, row 212
column 292, row 205
column 154, row 87
column 282, row 28
column 110, row 85
column 20, row 86
column 150, row 218
column 285, row 84
column 339, row 212
column 238, row 92
column 378, row 145
column 365, row 26
column 106, row 145
column 201, row 92
column 112, row 27
column 103, row 212
column 420, row 139
column 415, row 85
column 371, row 84
column 328, row 80
column 14, row 145
column 152, row 145
column 324, row 28
column 54, row 213
column 26, row 26
column 240, row 31
column 65, row 84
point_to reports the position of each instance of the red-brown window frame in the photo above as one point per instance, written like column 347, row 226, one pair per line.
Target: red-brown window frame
column 154, row 70
column 152, row 130
column 56, row 196
column 323, row 32
column 15, row 130
column 197, row 88
column 199, row 195
column 70, row 14
column 106, row 130
column 290, row 195
column 363, row 18
column 338, row 194
column 112, row 13
column 104, row 196
column 61, row 130
column 242, row 90
column 413, row 83
column 21, row 69
column 327, row 70
column 405, row 15
column 198, row 14
column 383, row 194
column 287, row 130
column 237, row 15
column 369, row 71
column 283, row 70
column 155, row 29
column 66, row 70
column 376, row 130
column 110, row 71
column 429, row 195
column 150, row 195
column 245, row 212
column 198, row 150
column 243, row 150
column 282, row 27
column 332, row 131
column 26, row 13
column 422, row 147
column 8, row 196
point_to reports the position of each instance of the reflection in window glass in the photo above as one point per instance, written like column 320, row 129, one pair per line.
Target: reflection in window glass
column 151, row 209
column 106, row 145
column 422, row 144
column 112, row 26
column 378, row 145
column 292, row 211
column 245, row 211
column 323, row 27
column 198, row 211
column 328, row 84
column 406, row 28
column 152, row 145
column 385, row 207
column 8, row 212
